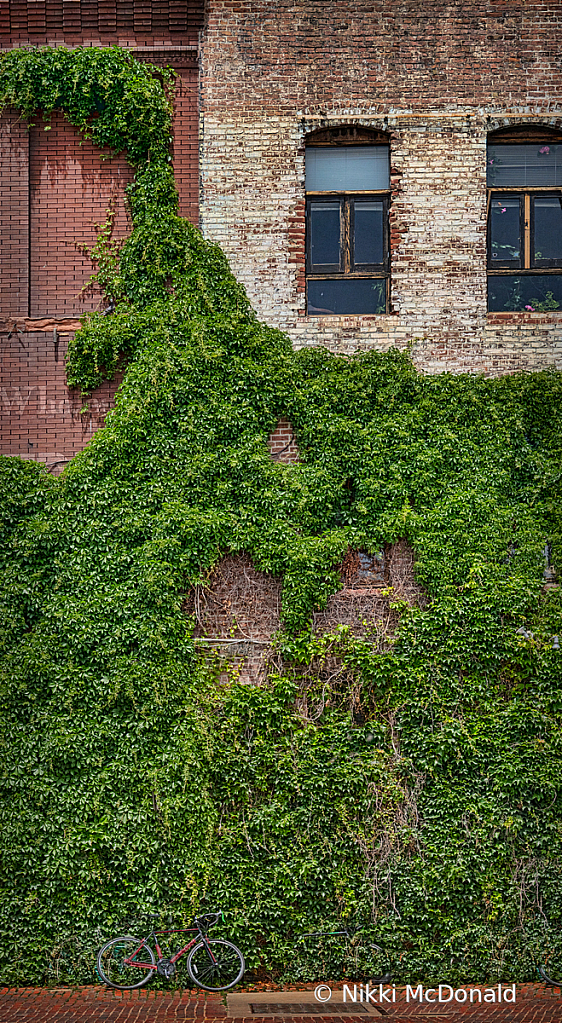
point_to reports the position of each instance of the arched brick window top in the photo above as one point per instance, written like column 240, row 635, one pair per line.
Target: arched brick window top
column 525, row 133
column 524, row 178
column 347, row 135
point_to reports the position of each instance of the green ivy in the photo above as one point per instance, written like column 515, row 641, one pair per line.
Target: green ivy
column 419, row 800
column 116, row 101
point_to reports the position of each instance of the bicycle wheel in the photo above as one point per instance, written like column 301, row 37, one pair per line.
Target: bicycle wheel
column 215, row 965
column 113, row 969
column 551, row 974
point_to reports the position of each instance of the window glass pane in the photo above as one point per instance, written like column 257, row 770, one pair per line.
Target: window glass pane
column 325, row 233
column 346, row 296
column 532, row 164
column 368, row 238
column 548, row 227
column 347, row 168
column 505, row 228
column 517, row 293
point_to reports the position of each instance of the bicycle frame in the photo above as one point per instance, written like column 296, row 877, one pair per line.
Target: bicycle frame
column 133, row 961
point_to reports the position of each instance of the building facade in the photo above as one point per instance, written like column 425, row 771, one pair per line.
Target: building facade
column 431, row 82
column 378, row 173
column 55, row 187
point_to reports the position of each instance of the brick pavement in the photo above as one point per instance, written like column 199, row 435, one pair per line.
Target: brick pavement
column 534, row 1004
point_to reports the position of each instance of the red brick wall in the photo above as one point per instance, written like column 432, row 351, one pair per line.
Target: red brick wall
column 186, row 138
column 71, row 189
column 54, row 189
column 185, row 124
column 282, row 444
column 108, row 21
column 39, row 417
column 14, row 215
column 58, row 179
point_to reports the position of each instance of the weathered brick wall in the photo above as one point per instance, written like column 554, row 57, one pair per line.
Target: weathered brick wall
column 54, row 189
column 437, row 77
column 237, row 611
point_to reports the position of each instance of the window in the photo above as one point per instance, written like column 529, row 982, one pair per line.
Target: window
column 347, row 197
column 524, row 177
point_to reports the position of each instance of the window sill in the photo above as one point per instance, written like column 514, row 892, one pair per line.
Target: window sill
column 316, row 317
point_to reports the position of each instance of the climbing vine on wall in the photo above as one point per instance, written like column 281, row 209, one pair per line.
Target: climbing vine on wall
column 116, row 101
column 134, row 778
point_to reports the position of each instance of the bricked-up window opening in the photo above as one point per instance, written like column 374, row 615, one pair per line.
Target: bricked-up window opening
column 524, row 178
column 347, row 201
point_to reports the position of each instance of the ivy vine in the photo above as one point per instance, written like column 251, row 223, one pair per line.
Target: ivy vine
column 116, row 101
column 133, row 777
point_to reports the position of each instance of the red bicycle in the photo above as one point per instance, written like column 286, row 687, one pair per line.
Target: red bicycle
column 213, row 963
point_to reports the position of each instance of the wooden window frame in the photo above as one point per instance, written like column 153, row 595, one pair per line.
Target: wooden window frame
column 526, row 265
column 347, row 136
column 348, row 267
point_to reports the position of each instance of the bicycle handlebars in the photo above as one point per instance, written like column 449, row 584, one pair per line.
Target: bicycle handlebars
column 204, row 922
column 207, row 920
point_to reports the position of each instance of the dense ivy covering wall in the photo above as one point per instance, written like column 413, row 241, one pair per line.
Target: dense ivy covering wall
column 423, row 802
